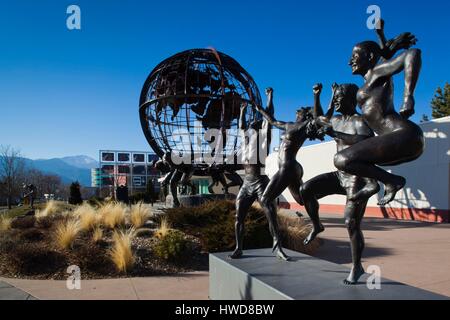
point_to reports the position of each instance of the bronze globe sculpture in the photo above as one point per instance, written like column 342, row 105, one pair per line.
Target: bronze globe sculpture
column 190, row 93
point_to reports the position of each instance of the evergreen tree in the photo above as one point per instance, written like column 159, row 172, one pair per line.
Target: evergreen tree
column 75, row 194
column 440, row 104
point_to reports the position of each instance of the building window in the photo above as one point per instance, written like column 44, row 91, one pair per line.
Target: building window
column 108, row 169
column 139, row 181
column 124, row 169
column 123, row 157
column 108, row 156
column 152, row 157
column 107, row 181
column 138, row 157
column 138, row 170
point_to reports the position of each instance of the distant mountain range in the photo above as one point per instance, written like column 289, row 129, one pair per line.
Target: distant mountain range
column 70, row 169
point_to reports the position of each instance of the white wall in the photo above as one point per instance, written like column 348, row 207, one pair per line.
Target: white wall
column 427, row 178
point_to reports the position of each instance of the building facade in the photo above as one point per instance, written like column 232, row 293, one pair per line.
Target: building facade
column 125, row 168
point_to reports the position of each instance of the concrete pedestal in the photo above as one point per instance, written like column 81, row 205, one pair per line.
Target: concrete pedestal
column 258, row 275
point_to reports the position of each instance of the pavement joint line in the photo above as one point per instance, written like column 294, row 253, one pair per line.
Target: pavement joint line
column 134, row 289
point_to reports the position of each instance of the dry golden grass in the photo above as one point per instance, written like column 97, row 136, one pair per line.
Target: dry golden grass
column 295, row 230
column 139, row 214
column 112, row 214
column 50, row 209
column 97, row 234
column 66, row 233
column 256, row 206
column 87, row 216
column 121, row 253
column 5, row 223
column 164, row 228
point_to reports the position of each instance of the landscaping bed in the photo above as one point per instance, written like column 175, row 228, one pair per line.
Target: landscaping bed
column 112, row 240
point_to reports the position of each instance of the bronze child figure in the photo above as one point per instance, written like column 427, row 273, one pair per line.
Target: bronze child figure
column 347, row 128
column 290, row 172
column 256, row 142
column 398, row 140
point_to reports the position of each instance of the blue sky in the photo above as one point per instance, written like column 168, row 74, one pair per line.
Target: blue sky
column 68, row 92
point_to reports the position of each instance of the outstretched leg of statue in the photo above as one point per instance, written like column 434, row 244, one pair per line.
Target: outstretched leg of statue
column 318, row 187
column 296, row 183
column 276, row 186
column 243, row 204
column 271, row 214
column 354, row 212
column 362, row 159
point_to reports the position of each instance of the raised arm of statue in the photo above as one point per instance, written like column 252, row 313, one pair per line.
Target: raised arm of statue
column 323, row 119
column 411, row 62
column 318, row 110
column 389, row 48
column 242, row 120
column 269, row 117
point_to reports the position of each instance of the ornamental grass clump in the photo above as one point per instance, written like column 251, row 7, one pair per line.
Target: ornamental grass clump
column 121, row 253
column 163, row 228
column 87, row 216
column 66, row 233
column 112, row 214
column 51, row 208
column 139, row 214
column 5, row 223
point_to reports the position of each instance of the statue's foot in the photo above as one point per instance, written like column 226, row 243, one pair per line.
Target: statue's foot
column 236, row 254
column 355, row 274
column 391, row 190
column 282, row 256
column 366, row 192
column 313, row 234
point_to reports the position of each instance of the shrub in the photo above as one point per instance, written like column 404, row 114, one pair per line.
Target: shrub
column 66, row 233
column 139, row 214
column 87, row 216
column 121, row 253
column 75, row 194
column 173, row 246
column 112, row 214
column 213, row 223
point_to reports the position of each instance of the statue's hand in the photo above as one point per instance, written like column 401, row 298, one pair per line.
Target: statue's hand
column 403, row 41
column 269, row 90
column 317, row 89
column 407, row 109
column 380, row 26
